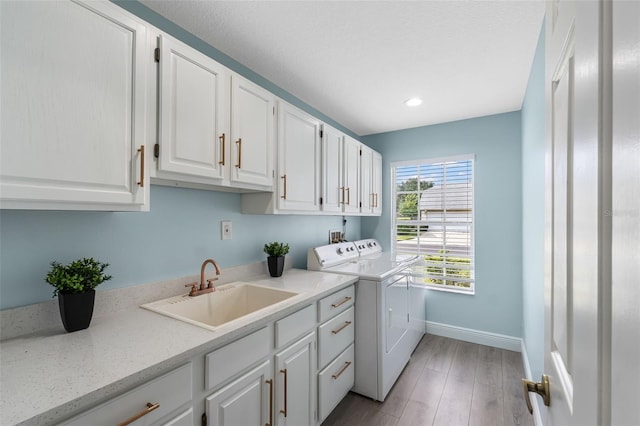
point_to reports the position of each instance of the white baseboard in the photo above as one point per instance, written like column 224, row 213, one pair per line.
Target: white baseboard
column 475, row 336
column 537, row 417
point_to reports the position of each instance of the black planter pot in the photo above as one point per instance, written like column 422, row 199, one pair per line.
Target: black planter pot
column 76, row 309
column 276, row 265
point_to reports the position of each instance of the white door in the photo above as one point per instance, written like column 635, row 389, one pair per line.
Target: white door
column 251, row 144
column 575, row 230
column 376, row 182
column 295, row 383
column 331, row 169
column 351, row 173
column 298, row 160
column 74, row 107
column 193, row 111
column 366, row 190
column 625, row 215
column 245, row 401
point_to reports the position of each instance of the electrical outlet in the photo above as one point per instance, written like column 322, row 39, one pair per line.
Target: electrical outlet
column 227, row 230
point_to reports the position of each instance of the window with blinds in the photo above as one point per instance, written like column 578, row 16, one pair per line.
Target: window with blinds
column 433, row 217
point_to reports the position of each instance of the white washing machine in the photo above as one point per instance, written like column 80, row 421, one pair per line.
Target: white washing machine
column 390, row 311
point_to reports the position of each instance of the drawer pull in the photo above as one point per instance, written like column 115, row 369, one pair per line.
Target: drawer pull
column 342, row 327
column 270, row 383
column 339, row 373
column 141, row 151
column 342, row 302
column 149, row 408
column 285, row 392
column 221, row 162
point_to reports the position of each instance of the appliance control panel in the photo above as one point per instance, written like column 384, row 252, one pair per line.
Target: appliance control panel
column 369, row 246
column 331, row 255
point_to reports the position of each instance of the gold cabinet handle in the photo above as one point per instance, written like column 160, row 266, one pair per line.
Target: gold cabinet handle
column 239, row 143
column 348, row 196
column 285, row 392
column 342, row 302
column 342, row 327
column 541, row 388
column 342, row 199
column 221, row 138
column 149, row 408
column 373, row 199
column 284, row 178
column 141, row 151
column 270, row 383
column 339, row 373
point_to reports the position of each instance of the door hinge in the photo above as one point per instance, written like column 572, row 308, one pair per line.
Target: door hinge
column 360, row 204
column 156, row 150
column 274, row 110
column 320, row 200
column 156, row 54
column 321, row 133
column 361, row 152
column 203, row 419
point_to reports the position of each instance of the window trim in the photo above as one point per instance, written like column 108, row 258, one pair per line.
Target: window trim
column 423, row 161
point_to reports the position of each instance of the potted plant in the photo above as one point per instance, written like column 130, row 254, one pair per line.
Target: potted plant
column 276, row 252
column 74, row 285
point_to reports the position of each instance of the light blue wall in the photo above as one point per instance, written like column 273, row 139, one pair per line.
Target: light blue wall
column 181, row 230
column 495, row 140
column 533, row 212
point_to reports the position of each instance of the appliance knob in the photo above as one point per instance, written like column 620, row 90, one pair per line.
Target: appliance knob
column 369, row 245
column 339, row 251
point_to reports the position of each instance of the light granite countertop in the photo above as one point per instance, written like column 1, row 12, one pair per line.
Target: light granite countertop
column 48, row 375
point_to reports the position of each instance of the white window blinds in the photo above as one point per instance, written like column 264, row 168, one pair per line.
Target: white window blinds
column 433, row 217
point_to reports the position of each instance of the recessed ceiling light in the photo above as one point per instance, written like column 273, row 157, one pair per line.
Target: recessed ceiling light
column 413, row 102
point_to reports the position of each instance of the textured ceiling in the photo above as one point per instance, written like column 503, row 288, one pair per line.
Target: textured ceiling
column 357, row 61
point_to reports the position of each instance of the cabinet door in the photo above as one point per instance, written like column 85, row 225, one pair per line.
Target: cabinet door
column 332, row 195
column 298, row 160
column 73, row 106
column 193, row 112
column 367, row 197
column 245, row 401
column 351, row 173
column 295, row 383
column 252, row 117
column 376, row 182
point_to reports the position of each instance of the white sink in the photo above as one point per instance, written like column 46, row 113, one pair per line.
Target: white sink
column 228, row 303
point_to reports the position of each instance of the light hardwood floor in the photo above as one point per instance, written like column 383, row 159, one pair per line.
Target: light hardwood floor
column 447, row 382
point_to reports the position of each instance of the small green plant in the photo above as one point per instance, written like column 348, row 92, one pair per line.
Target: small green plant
column 79, row 276
column 276, row 249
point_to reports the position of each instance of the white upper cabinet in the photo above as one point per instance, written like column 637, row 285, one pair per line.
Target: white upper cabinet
column 351, row 175
column 251, row 144
column 370, row 182
column 376, row 183
column 340, row 172
column 332, row 196
column 193, row 113
column 74, row 107
column 298, row 188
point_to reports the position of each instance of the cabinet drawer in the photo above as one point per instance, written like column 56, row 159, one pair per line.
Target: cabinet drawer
column 226, row 362
column 336, row 302
column 295, row 325
column 334, row 336
column 334, row 382
column 169, row 391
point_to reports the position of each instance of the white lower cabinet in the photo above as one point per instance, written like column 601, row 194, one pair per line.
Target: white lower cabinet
column 182, row 419
column 295, row 383
column 145, row 404
column 245, row 401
